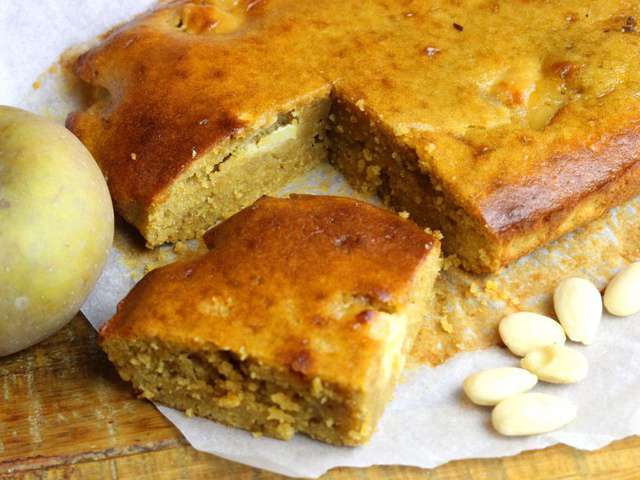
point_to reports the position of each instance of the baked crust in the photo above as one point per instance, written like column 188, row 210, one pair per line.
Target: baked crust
column 522, row 113
column 309, row 287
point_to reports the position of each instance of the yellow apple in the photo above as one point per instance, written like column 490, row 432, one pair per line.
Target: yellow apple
column 56, row 227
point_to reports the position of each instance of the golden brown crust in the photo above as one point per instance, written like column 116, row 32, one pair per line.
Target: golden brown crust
column 563, row 181
column 297, row 283
column 548, row 101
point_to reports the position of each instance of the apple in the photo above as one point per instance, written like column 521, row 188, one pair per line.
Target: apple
column 56, row 227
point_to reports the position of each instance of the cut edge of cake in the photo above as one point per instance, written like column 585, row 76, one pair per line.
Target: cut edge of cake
column 231, row 176
column 487, row 236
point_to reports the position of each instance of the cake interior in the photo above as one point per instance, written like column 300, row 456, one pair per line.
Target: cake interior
column 268, row 398
column 374, row 161
column 231, row 388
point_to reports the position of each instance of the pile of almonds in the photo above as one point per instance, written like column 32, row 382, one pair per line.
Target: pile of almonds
column 540, row 341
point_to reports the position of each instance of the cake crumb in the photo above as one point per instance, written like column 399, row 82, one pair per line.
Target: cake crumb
column 494, row 291
column 316, row 387
column 180, row 248
column 280, row 416
column 404, row 214
column 231, row 400
column 431, row 51
column 474, row 289
column 446, row 326
column 435, row 233
column 242, row 353
column 284, row 402
column 373, row 174
column 491, row 286
column 360, row 104
column 451, row 261
column 484, row 257
column 133, row 156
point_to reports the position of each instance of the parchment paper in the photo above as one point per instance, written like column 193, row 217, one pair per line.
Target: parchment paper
column 429, row 422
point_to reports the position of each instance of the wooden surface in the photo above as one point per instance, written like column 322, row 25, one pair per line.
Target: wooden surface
column 65, row 414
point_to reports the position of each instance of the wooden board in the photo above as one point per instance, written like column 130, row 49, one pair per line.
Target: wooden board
column 65, row 414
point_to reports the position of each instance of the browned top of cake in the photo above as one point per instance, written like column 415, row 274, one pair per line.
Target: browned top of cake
column 303, row 283
column 517, row 107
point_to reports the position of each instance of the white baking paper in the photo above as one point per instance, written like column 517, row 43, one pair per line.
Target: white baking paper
column 429, row 422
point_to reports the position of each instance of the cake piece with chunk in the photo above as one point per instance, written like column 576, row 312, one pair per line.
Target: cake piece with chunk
column 297, row 319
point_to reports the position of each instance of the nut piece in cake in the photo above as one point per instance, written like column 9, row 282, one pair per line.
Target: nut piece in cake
column 297, row 319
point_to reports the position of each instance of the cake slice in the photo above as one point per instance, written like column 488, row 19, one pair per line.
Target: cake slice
column 297, row 319
column 201, row 166
column 187, row 136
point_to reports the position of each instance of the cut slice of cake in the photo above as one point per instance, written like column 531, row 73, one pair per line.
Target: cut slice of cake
column 217, row 168
column 503, row 123
column 298, row 319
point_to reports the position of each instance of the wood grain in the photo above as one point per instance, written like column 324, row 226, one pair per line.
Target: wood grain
column 66, row 414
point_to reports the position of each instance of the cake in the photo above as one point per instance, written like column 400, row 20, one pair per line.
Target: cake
column 505, row 124
column 297, row 319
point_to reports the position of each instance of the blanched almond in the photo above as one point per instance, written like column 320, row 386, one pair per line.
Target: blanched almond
column 622, row 296
column 556, row 364
column 523, row 332
column 578, row 306
column 490, row 387
column 531, row 414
